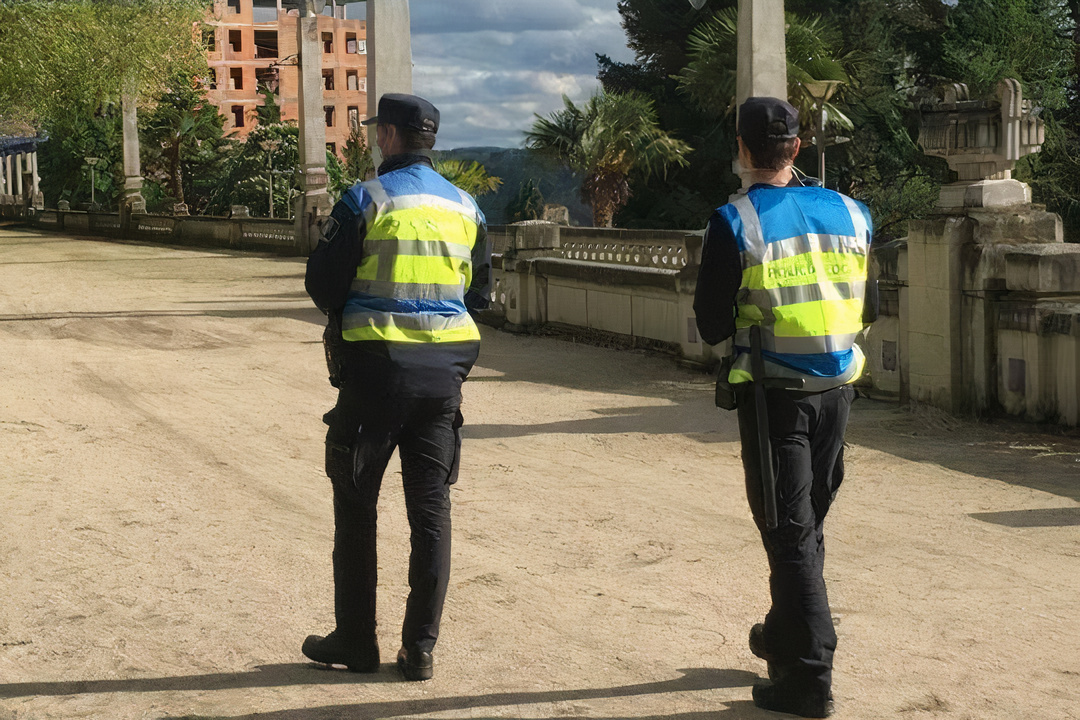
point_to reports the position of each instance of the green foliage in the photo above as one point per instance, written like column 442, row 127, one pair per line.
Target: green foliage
column 472, row 177
column 269, row 112
column 180, row 139
column 60, row 56
column 65, row 175
column 359, row 164
column 988, row 40
column 247, row 167
column 527, row 204
column 611, row 139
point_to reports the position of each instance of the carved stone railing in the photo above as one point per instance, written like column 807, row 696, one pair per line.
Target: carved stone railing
column 981, row 140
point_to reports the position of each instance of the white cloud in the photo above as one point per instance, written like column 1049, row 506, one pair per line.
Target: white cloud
column 489, row 65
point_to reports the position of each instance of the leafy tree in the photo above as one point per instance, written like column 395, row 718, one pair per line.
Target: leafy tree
column 613, row 137
column 528, row 204
column 472, row 177
column 64, row 56
column 247, row 169
column 65, row 175
column 180, row 133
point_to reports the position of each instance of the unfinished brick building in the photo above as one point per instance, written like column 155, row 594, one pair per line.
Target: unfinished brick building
column 252, row 45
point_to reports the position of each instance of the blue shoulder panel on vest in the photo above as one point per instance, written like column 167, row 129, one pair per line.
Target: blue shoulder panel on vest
column 419, row 179
column 357, row 198
column 730, row 215
column 791, row 212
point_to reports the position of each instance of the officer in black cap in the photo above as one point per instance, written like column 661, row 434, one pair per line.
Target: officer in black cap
column 402, row 263
column 783, row 272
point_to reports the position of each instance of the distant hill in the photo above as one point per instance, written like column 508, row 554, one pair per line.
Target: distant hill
column 515, row 165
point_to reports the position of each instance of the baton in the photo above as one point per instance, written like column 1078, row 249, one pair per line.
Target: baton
column 761, row 412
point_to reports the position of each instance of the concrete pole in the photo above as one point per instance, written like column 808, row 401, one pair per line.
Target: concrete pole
column 34, row 171
column 3, row 175
column 9, row 181
column 133, row 182
column 314, row 202
column 762, row 64
column 389, row 62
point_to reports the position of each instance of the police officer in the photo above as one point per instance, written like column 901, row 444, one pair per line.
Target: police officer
column 402, row 260
column 789, row 258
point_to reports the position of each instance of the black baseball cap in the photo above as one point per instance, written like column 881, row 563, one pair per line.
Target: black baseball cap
column 767, row 119
column 406, row 111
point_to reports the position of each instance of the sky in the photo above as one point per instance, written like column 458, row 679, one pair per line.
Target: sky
column 488, row 65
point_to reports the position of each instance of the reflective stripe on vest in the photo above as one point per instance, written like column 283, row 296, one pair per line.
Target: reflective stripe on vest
column 415, row 268
column 806, row 292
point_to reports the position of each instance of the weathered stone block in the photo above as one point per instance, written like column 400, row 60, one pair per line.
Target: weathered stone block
column 1043, row 269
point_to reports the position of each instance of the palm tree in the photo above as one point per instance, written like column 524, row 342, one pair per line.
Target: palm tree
column 471, row 177
column 613, row 137
column 709, row 77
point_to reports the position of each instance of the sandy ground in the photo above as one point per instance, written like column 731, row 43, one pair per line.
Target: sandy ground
column 166, row 528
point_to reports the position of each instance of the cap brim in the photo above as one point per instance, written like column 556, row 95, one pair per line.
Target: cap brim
column 370, row 121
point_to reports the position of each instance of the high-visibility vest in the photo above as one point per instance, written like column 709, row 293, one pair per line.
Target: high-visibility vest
column 804, row 259
column 417, row 260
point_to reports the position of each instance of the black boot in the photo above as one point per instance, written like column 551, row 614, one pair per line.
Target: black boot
column 358, row 656
column 415, row 665
column 770, row 696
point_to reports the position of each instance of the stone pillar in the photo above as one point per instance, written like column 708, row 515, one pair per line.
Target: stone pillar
column 762, row 65
column 9, row 181
column 313, row 202
column 18, row 177
column 3, row 175
column 34, row 171
column 389, row 66
column 132, row 201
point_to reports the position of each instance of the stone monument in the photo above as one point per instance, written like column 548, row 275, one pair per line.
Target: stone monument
column 132, row 201
column 389, row 56
column 313, row 202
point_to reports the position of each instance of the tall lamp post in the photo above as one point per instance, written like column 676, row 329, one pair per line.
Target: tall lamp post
column 821, row 91
column 92, row 161
column 269, row 146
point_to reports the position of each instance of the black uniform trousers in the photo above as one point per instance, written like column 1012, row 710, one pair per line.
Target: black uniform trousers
column 806, row 432
column 364, row 430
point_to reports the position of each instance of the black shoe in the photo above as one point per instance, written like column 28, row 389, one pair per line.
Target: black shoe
column 415, row 665
column 359, row 657
column 758, row 647
column 773, row 697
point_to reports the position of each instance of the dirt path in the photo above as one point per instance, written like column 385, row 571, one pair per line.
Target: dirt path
column 166, row 534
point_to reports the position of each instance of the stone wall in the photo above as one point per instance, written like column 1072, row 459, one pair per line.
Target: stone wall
column 255, row 234
column 980, row 315
column 637, row 284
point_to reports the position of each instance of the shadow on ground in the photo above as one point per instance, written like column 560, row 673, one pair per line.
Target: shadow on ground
column 288, row 674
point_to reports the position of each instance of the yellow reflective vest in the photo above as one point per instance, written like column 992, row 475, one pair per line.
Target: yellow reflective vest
column 804, row 262
column 416, row 264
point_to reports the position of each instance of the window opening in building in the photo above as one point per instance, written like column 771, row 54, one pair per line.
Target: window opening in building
column 267, row 78
column 263, row 11
column 354, row 117
column 238, row 115
column 350, row 43
column 331, row 148
column 329, row 109
column 351, row 81
column 235, row 41
column 211, row 83
column 328, row 42
column 266, row 44
column 328, row 79
column 234, row 6
column 209, row 39
column 236, row 78
column 352, row 10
